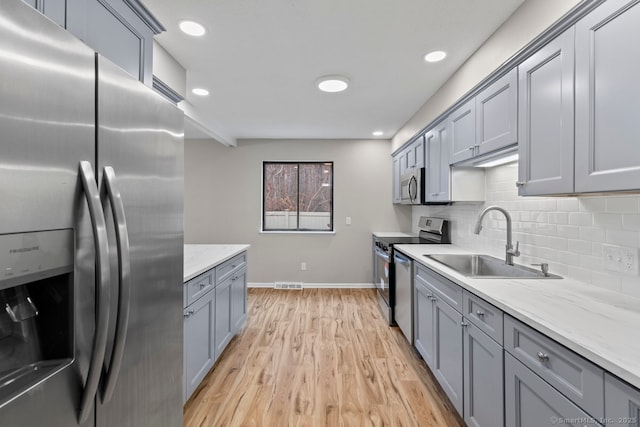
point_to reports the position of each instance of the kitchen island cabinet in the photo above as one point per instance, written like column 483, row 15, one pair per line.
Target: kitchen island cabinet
column 215, row 306
column 622, row 403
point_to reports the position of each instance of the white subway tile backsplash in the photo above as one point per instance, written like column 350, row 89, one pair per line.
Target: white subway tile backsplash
column 580, row 218
column 592, row 204
column 607, row 220
column 622, row 204
column 566, row 232
column 631, row 222
column 592, row 234
column 623, row 238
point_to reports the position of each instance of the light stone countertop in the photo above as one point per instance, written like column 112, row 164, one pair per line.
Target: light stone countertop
column 392, row 234
column 599, row 324
column 200, row 258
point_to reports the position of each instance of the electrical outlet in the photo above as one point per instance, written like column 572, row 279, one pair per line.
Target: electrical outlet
column 303, row 266
column 620, row 259
column 348, row 221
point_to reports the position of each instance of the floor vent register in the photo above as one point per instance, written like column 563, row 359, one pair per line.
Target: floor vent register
column 287, row 285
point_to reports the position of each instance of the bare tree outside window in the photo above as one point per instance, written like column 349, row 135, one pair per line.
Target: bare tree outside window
column 297, row 196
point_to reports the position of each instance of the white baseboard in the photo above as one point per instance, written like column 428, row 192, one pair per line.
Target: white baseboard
column 318, row 285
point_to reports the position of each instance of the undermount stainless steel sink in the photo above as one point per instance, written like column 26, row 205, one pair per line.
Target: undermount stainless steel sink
column 488, row 267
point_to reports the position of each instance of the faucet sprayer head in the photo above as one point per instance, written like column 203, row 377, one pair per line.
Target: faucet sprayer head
column 477, row 227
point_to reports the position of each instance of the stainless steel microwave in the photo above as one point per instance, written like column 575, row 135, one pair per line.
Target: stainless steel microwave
column 412, row 187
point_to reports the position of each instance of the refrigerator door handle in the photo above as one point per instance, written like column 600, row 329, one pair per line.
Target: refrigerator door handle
column 102, row 288
column 124, row 281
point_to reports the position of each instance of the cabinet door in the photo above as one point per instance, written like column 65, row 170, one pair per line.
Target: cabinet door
column 114, row 30
column 531, row 402
column 608, row 98
column 483, row 379
column 396, row 180
column 497, row 114
column 462, row 132
column 423, row 321
column 621, row 403
column 437, row 167
column 545, row 122
column 417, row 149
column 448, row 351
column 238, row 300
column 223, row 325
column 198, row 342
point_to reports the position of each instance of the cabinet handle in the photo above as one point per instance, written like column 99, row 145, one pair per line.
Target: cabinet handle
column 472, row 147
column 233, row 266
column 434, row 194
column 520, row 183
column 202, row 285
column 544, row 357
column 464, row 324
column 479, row 313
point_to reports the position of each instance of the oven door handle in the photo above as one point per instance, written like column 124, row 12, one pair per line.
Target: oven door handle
column 382, row 255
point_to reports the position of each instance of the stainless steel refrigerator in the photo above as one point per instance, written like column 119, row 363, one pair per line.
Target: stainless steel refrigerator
column 91, row 236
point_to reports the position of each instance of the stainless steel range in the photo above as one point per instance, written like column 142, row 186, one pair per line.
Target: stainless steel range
column 432, row 231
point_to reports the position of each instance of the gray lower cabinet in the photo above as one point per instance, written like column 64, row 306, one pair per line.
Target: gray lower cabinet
column 621, row 403
column 199, row 352
column 532, row 402
column 223, row 330
column 483, row 379
column 447, row 366
column 215, row 310
column 423, row 321
column 607, row 98
column 545, row 119
column 238, row 300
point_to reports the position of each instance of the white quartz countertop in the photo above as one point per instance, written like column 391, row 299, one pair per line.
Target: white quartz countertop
column 393, row 234
column 600, row 325
column 200, row 258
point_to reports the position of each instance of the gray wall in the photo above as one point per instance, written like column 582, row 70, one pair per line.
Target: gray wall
column 223, row 205
column 525, row 24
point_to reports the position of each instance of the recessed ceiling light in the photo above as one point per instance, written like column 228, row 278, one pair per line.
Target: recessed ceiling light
column 378, row 133
column 332, row 83
column 435, row 56
column 192, row 28
column 199, row 91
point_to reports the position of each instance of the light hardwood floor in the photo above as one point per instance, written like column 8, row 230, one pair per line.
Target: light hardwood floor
column 318, row 357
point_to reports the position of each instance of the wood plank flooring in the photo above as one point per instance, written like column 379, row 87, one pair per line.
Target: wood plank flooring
column 318, row 357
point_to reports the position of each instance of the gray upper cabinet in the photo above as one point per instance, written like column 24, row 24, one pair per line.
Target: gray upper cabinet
column 396, row 190
column 531, row 402
column 483, row 379
column 622, row 403
column 608, row 98
column 120, row 30
column 438, row 174
column 545, row 119
column 462, row 132
column 497, row 114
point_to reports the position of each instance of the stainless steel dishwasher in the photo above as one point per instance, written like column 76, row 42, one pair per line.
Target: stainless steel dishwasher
column 404, row 294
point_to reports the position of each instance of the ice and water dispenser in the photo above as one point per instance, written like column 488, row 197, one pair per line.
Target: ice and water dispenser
column 36, row 307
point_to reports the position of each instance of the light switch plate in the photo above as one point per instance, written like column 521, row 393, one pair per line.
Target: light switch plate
column 620, row 259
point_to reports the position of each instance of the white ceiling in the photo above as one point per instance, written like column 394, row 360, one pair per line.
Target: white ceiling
column 260, row 60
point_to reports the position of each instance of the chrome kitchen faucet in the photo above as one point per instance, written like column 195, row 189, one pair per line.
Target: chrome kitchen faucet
column 510, row 252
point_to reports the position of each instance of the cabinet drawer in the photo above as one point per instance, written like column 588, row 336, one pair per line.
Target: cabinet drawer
column 226, row 269
column 443, row 288
column 576, row 378
column 484, row 315
column 198, row 286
